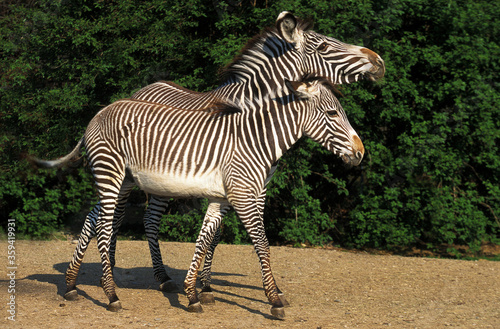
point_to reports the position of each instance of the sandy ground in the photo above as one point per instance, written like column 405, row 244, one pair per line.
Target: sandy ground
column 326, row 289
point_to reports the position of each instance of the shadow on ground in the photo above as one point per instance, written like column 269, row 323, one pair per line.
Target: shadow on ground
column 142, row 278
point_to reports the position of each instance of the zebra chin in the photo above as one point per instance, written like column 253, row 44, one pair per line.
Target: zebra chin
column 376, row 74
column 352, row 160
column 378, row 69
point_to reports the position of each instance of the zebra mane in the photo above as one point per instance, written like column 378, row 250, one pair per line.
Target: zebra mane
column 260, row 38
column 176, row 86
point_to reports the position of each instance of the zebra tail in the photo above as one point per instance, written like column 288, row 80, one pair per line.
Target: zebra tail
column 58, row 162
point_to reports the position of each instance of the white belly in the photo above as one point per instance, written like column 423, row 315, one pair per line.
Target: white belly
column 208, row 185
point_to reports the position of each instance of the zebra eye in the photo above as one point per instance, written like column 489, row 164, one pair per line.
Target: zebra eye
column 332, row 113
column 323, row 46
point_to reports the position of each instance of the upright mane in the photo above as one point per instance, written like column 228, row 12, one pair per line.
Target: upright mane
column 181, row 88
column 260, row 38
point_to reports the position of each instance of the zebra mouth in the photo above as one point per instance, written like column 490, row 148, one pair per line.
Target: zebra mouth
column 352, row 161
column 347, row 160
column 377, row 71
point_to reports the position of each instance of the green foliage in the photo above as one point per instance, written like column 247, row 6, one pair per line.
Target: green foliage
column 184, row 224
column 431, row 128
column 433, row 142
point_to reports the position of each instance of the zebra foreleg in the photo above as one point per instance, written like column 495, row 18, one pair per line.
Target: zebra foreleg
column 88, row 232
column 249, row 216
column 156, row 208
column 261, row 202
column 210, row 225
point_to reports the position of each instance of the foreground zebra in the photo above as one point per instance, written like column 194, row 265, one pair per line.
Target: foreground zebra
column 288, row 51
column 224, row 153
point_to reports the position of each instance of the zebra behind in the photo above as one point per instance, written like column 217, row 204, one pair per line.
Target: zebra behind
column 290, row 50
column 163, row 150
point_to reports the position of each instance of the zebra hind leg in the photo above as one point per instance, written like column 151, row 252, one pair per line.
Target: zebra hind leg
column 156, row 208
column 210, row 225
column 104, row 231
column 108, row 183
column 88, row 232
column 118, row 217
column 206, row 295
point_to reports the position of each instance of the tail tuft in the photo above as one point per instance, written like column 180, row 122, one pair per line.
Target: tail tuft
column 40, row 163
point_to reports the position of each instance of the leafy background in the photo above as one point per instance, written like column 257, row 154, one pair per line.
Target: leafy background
column 430, row 177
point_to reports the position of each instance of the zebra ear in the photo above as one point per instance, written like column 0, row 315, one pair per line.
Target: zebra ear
column 300, row 89
column 287, row 27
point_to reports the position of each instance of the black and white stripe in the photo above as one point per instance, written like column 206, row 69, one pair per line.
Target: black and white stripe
column 224, row 156
column 288, row 51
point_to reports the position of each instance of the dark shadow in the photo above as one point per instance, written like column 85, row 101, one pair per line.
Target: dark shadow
column 251, row 310
column 83, row 294
column 173, row 299
column 219, row 282
column 235, row 295
column 130, row 278
column 141, row 278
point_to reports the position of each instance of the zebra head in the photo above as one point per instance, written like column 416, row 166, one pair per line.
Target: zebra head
column 323, row 56
column 326, row 121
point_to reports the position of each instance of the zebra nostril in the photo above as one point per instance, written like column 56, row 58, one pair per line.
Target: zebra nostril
column 359, row 155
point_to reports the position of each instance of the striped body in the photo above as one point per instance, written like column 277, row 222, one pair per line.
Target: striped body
column 287, row 51
column 264, row 64
column 229, row 155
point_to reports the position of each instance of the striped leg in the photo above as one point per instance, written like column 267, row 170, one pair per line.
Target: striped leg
column 206, row 296
column 211, row 223
column 261, row 202
column 104, row 230
column 156, row 208
column 119, row 214
column 88, row 232
column 248, row 212
column 109, row 174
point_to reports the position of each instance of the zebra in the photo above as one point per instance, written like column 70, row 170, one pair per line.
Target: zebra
column 223, row 153
column 289, row 50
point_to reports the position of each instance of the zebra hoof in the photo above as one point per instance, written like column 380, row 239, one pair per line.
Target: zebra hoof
column 195, row 308
column 283, row 300
column 115, row 306
column 207, row 298
column 278, row 312
column 169, row 286
column 71, row 295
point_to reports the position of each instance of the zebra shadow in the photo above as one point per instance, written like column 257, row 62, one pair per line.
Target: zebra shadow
column 142, row 278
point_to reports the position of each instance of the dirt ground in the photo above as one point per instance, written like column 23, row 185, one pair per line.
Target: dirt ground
column 326, row 289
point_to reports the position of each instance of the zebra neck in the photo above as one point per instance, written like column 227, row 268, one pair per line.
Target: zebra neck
column 247, row 87
column 269, row 130
column 263, row 68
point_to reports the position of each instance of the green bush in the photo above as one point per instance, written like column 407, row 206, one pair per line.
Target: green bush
column 431, row 128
